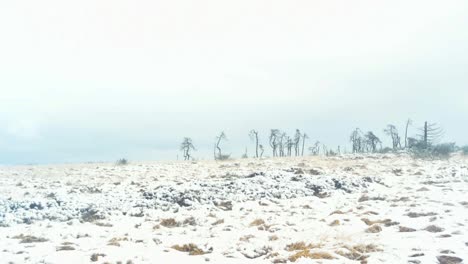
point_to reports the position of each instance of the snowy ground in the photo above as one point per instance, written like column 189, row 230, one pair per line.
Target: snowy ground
column 374, row 209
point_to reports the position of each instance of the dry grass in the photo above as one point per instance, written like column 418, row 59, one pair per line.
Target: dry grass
column 307, row 254
column 257, row 222
column 116, row 241
column 358, row 252
column 192, row 249
column 218, row 222
column 273, row 238
column 246, row 238
column 301, row 246
column 337, row 212
column 335, row 223
column 95, row 256
column 374, row 229
column 169, row 223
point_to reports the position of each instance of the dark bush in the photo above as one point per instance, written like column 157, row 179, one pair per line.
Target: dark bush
column 122, row 162
column 440, row 151
column 464, row 150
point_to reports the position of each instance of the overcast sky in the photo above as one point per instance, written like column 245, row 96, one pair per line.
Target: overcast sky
column 100, row 80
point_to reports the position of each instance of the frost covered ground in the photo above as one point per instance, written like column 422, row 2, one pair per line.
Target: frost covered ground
column 369, row 209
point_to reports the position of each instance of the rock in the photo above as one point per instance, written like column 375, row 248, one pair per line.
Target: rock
column 225, row 205
column 315, row 172
column 449, row 260
column 404, row 229
column 374, row 229
column 434, row 229
column 447, row 252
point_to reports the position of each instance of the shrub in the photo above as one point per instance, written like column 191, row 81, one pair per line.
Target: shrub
column 122, row 162
column 440, row 151
column 464, row 150
column 443, row 150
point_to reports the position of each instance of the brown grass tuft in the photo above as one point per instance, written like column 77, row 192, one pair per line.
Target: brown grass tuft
column 301, row 246
column 192, row 249
column 257, row 222
column 169, row 223
column 307, row 254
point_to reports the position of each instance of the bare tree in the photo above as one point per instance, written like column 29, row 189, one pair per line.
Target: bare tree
column 430, row 134
column 392, row 131
column 261, row 150
column 218, row 153
column 356, row 140
column 408, row 123
column 372, row 141
column 274, row 138
column 282, row 144
column 297, row 139
column 186, row 146
column 254, row 136
column 245, row 155
column 315, row 150
column 304, row 137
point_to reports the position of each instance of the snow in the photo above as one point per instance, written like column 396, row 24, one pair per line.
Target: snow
column 239, row 211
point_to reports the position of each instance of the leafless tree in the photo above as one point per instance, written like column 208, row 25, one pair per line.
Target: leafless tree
column 290, row 145
column 254, row 136
column 356, row 140
column 408, row 123
column 392, row 131
column 261, row 150
column 186, row 146
column 372, row 141
column 245, row 155
column 304, row 137
column 297, row 139
column 430, row 134
column 275, row 134
column 218, row 154
column 315, row 150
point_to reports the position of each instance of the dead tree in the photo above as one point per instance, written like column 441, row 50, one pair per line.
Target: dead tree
column 254, row 136
column 372, row 141
column 392, row 131
column 218, row 153
column 245, row 155
column 297, row 139
column 408, row 123
column 289, row 144
column 315, row 150
column 304, row 137
column 282, row 144
column 356, row 140
column 430, row 134
column 186, row 146
column 274, row 138
column 261, row 150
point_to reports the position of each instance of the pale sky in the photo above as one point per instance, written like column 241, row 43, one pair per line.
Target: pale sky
column 100, row 80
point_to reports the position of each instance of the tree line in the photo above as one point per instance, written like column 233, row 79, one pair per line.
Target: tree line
column 284, row 145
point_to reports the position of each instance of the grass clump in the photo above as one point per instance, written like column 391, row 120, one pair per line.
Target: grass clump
column 169, row 223
column 301, row 246
column 95, row 256
column 312, row 255
column 257, row 222
column 191, row 248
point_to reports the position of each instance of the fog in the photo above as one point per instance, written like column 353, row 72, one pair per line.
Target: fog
column 97, row 81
